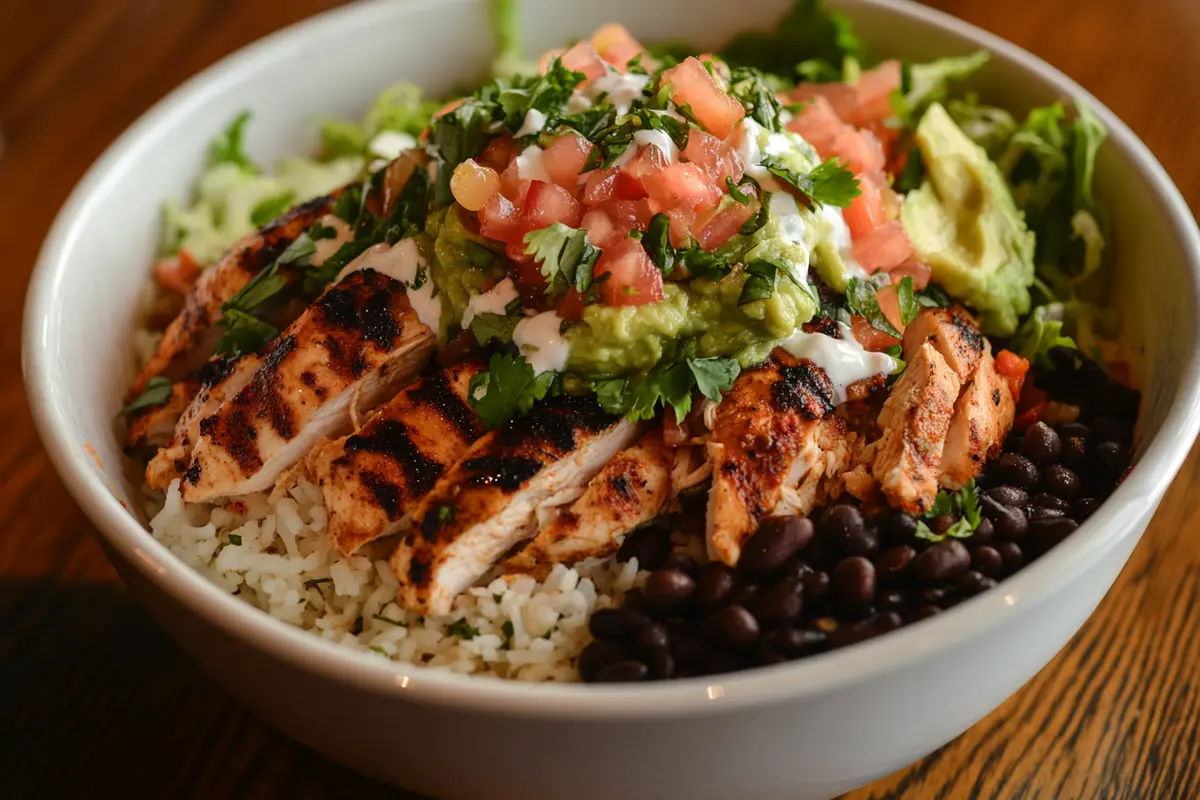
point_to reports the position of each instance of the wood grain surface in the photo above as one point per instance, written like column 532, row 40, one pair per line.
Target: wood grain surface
column 95, row 701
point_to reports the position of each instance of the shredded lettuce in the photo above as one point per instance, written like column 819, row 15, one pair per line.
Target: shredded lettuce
column 926, row 84
column 399, row 109
column 1039, row 333
column 809, row 33
column 989, row 127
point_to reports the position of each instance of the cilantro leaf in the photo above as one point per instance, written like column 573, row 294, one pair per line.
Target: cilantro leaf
column 565, row 254
column 667, row 385
column 964, row 503
column 704, row 264
column 934, row 296
column 408, row 214
column 760, row 282
column 458, row 135
column 546, row 93
column 657, row 243
column 829, row 183
column 271, row 208
column 157, row 392
column 509, row 387
column 317, row 278
column 244, row 333
column 760, row 218
column 263, row 286
column 228, row 147
column 462, row 629
column 1041, row 332
column 861, row 300
column 750, row 88
column 714, row 375
column 909, row 307
column 488, row 326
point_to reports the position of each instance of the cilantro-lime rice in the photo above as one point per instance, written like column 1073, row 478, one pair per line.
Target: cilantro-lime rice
column 637, row 362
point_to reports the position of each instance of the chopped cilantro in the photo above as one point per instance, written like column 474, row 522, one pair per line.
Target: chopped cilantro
column 235, row 540
column 479, row 256
column 407, row 216
column 381, row 651
column 862, row 300
column 157, row 391
column 760, row 282
column 244, row 333
column 657, row 243
column 507, row 630
column 565, row 254
column 909, row 307
column 750, row 88
column 934, row 296
column 317, row 278
column 755, row 223
column 705, row 264
column 965, row 502
column 462, row 630
column 312, row 582
column 829, row 184
column 546, row 93
column 388, row 620
column 271, row 208
column 228, row 147
column 488, row 326
column 714, row 375
column 668, row 384
column 458, row 135
column 445, row 514
column 509, row 387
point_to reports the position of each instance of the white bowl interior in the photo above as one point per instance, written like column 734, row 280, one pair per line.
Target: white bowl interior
column 98, row 255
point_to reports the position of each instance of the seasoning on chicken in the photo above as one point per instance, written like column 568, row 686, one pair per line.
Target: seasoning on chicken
column 768, row 436
column 953, row 334
column 353, row 346
column 632, row 489
column 982, row 419
column 192, row 335
column 488, row 502
column 373, row 479
column 914, row 420
column 153, row 426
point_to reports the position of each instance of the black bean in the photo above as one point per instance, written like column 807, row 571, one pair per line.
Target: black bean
column 1108, row 460
column 866, row 629
column 743, row 594
column 1045, row 500
column 779, row 603
column 795, row 642
column 661, row 664
column 796, row 567
column 1016, row 470
column 891, row 565
column 972, row 582
column 984, row 532
column 1046, row 533
column 942, row 561
column 1005, row 495
column 1011, row 556
column 1037, row 513
column 714, row 582
column 1112, row 429
column 765, row 655
column 1074, row 452
column 776, row 540
column 820, row 554
column 721, row 661
column 615, row 623
column 682, row 562
column 1084, row 507
column 843, row 527
column 816, row 585
column 898, row 527
column 1042, row 443
column 668, row 588
column 733, row 627
column 921, row 612
column 1010, row 523
column 938, row 595
column 987, row 559
column 648, row 545
column 652, row 637
column 627, row 671
column 1074, row 430
column 1062, row 482
column 894, row 600
column 854, row 582
column 598, row 655
column 942, row 523
column 687, row 649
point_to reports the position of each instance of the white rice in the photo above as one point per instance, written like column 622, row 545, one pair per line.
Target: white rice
column 276, row 556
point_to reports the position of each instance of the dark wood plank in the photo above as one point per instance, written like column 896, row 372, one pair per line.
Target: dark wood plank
column 98, row 702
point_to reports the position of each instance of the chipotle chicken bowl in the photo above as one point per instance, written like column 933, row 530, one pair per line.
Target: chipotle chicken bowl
column 755, row 360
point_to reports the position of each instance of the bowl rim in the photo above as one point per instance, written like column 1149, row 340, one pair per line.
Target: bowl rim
column 1116, row 519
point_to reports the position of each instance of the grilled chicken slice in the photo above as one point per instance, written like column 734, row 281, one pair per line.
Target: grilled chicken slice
column 632, row 489
column 153, row 426
column 983, row 416
column 220, row 379
column 768, row 435
column 353, row 346
column 193, row 334
column 488, row 501
column 952, row 333
column 915, row 419
column 373, row 479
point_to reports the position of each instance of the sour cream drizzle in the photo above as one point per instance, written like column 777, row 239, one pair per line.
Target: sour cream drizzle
column 327, row 247
column 841, row 240
column 621, row 88
column 844, row 360
column 541, row 342
column 404, row 262
column 493, row 301
column 534, row 122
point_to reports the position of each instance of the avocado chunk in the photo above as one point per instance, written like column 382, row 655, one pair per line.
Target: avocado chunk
column 964, row 224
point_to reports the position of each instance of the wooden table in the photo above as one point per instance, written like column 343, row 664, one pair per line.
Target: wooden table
column 95, row 701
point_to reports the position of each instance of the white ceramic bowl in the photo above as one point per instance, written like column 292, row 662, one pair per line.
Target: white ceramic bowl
column 802, row 730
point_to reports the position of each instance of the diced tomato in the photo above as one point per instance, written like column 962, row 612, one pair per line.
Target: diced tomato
column 859, row 150
column 682, row 219
column 717, row 159
column 720, row 227
column 1012, row 368
column 713, row 107
column 912, row 268
column 513, row 186
column 867, row 101
column 616, row 45
column 866, row 212
column 572, row 306
column 1028, row 417
column 883, row 249
column 546, row 204
column 889, row 304
column 630, row 183
column 871, row 338
column 821, row 127
column 602, row 231
column 516, row 251
column 599, row 186
column 817, row 123
column 633, row 279
column 499, row 153
column 564, row 159
column 500, row 219
column 177, row 273
column 683, row 184
column 1032, row 396
column 584, row 58
column 630, row 214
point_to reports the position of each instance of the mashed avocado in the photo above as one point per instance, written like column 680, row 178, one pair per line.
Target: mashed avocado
column 463, row 264
column 964, row 224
